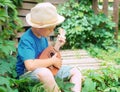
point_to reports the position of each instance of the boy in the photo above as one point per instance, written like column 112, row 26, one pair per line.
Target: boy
column 43, row 18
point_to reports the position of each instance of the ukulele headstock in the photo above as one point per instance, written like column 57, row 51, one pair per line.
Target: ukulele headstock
column 62, row 32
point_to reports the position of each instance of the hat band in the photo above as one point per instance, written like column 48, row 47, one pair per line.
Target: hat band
column 44, row 23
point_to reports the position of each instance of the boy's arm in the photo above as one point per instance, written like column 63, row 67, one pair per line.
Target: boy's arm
column 37, row 63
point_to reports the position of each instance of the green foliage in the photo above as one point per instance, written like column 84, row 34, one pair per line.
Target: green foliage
column 7, row 71
column 110, row 55
column 17, row 3
column 7, row 67
column 5, row 85
column 9, row 24
column 38, row 88
column 89, row 85
column 65, row 86
column 6, row 48
column 102, row 80
column 119, row 20
column 103, row 33
column 84, row 28
column 27, row 85
column 31, row 86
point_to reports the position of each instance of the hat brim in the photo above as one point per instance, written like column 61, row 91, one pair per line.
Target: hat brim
column 28, row 20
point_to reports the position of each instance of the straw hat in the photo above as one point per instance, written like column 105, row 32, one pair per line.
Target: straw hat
column 44, row 15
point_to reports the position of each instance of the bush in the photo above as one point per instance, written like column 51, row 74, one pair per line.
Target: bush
column 84, row 28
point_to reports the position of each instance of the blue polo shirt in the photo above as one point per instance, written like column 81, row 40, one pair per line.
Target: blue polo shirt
column 29, row 47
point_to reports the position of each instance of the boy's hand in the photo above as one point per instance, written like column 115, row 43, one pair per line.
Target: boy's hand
column 60, row 40
column 57, row 62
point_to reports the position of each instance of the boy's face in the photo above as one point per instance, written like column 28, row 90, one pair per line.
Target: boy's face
column 43, row 31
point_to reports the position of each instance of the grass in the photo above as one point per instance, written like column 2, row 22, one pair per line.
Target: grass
column 111, row 55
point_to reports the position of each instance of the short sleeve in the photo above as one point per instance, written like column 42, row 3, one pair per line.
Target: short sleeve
column 26, row 50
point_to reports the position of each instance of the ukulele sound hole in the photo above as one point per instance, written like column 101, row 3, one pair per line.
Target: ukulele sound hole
column 51, row 54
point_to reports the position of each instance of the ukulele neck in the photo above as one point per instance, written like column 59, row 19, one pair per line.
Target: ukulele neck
column 59, row 42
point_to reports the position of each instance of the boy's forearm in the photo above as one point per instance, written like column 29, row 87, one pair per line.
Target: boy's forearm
column 37, row 63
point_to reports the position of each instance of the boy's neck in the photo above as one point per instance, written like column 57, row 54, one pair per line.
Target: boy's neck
column 34, row 32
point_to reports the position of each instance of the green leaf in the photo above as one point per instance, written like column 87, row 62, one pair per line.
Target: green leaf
column 5, row 81
column 38, row 88
column 3, row 89
column 89, row 86
column 68, row 85
column 111, row 89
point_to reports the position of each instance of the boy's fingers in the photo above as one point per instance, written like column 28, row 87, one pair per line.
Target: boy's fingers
column 55, row 54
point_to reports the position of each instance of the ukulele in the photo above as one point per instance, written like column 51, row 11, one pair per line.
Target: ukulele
column 50, row 51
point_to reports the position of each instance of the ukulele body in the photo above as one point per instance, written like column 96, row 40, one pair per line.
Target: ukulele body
column 48, row 53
